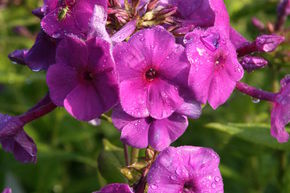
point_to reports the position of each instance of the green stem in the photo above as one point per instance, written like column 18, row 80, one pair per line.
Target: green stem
column 134, row 155
column 126, row 154
column 106, row 118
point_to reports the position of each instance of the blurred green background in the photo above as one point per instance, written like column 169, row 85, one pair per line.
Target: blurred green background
column 68, row 150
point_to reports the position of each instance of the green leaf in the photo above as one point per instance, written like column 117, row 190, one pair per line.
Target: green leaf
column 254, row 133
column 110, row 162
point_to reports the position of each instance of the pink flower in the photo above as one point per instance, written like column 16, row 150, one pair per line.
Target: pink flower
column 280, row 115
column 83, row 79
column 151, row 69
column 7, row 190
column 116, row 188
column 185, row 169
column 214, row 66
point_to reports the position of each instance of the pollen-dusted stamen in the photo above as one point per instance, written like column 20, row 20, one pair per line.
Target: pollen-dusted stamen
column 151, row 74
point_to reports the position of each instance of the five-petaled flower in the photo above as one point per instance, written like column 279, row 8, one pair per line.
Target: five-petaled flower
column 83, row 79
column 185, row 169
column 151, row 69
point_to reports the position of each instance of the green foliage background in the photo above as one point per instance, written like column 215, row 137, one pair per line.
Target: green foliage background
column 68, row 150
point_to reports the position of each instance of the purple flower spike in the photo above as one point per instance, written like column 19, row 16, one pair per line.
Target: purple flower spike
column 214, row 66
column 83, row 79
column 251, row 63
column 151, row 69
column 7, row 190
column 14, row 139
column 17, row 56
column 280, row 115
column 185, row 169
column 69, row 16
column 141, row 132
column 116, row 188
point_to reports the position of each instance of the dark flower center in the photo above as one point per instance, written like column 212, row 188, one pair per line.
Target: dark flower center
column 151, row 74
column 88, row 76
column 188, row 187
column 219, row 61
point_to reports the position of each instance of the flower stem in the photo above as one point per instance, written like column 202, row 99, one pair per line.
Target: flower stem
column 254, row 92
column 106, row 118
column 134, row 155
column 126, row 154
column 42, row 108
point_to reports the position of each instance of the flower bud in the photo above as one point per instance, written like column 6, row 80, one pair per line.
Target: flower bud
column 268, row 43
column 17, row 56
column 251, row 63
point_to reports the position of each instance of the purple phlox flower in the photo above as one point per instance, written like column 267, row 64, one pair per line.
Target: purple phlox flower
column 69, row 16
column 280, row 115
column 263, row 43
column 7, row 190
column 201, row 13
column 158, row 133
column 40, row 56
column 83, row 78
column 185, row 169
column 17, row 56
column 151, row 69
column 214, row 66
column 14, row 139
column 251, row 63
column 115, row 188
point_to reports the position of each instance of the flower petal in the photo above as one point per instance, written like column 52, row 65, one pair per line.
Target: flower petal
column 61, row 79
column 84, row 103
column 133, row 97
column 165, row 131
column 163, row 99
column 135, row 133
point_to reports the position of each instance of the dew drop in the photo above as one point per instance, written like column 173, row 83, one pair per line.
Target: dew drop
column 213, row 185
column 153, row 186
column 217, row 179
column 255, row 100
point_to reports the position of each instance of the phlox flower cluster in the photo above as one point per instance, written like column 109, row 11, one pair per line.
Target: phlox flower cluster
column 154, row 64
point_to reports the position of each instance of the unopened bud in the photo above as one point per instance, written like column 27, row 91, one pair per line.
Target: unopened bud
column 268, row 43
column 38, row 12
column 258, row 24
column 251, row 63
column 17, row 56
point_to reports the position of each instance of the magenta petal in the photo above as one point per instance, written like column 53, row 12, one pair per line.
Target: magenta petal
column 163, row 99
column 72, row 51
column 165, row 131
column 133, row 97
column 135, row 133
column 120, row 118
column 221, row 88
column 115, row 188
column 129, row 62
column 155, row 44
column 176, row 66
column 61, row 79
column 99, row 56
column 280, row 116
column 84, row 103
